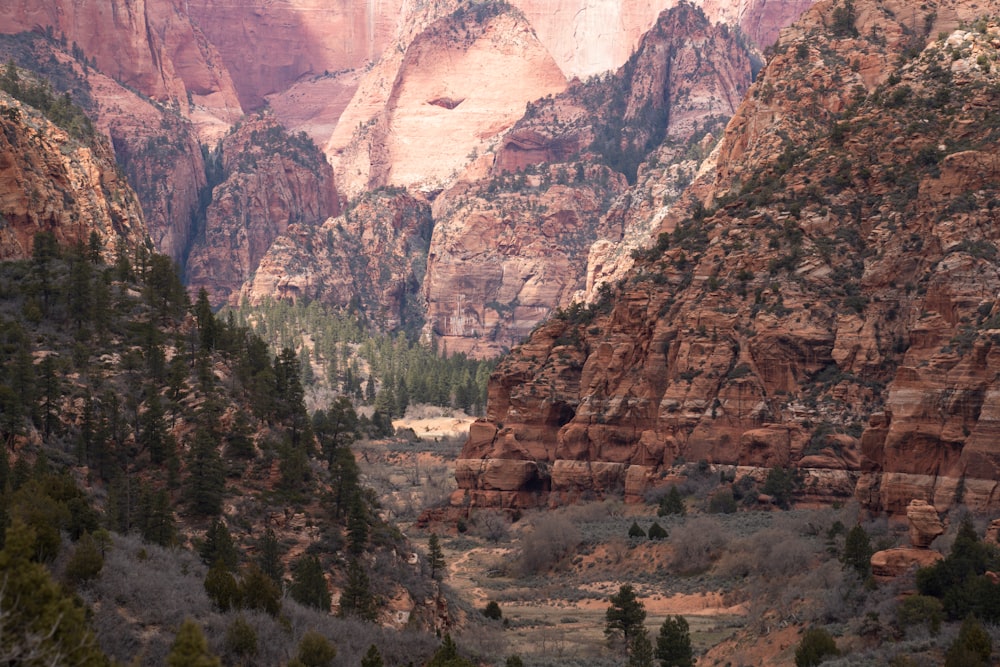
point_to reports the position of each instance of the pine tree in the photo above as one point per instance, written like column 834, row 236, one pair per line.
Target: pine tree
column 308, row 584
column 221, row 587
column 315, row 650
column 372, row 658
column 673, row 644
column 219, row 547
column 258, row 591
column 672, row 503
column 269, row 557
column 190, row 648
column 435, row 557
column 41, row 624
column 625, row 615
column 356, row 598
column 640, row 650
column 207, row 479
column 858, row 552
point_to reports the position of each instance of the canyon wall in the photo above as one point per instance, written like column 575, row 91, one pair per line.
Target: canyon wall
column 51, row 181
column 821, row 298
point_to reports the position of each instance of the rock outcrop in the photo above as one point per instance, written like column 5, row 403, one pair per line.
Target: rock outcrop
column 53, row 182
column 372, row 257
column 925, row 525
column 511, row 246
column 818, row 280
column 147, row 45
column 269, row 180
column 459, row 83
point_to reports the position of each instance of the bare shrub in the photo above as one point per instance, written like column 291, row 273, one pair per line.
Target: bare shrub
column 492, row 525
column 697, row 543
column 551, row 541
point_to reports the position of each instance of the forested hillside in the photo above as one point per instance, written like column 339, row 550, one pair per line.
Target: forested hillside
column 159, row 464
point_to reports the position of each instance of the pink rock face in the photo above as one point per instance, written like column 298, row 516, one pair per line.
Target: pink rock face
column 267, row 46
column 151, row 46
column 925, row 524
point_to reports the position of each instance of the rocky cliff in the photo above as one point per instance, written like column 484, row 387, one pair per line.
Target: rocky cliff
column 53, row 181
column 267, row 180
column 827, row 302
column 459, row 83
column 152, row 47
column 511, row 246
column 371, row 258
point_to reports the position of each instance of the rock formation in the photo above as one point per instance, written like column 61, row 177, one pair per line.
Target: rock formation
column 268, row 180
column 53, row 182
column 821, row 296
column 511, row 246
column 372, row 257
column 150, row 46
column 925, row 525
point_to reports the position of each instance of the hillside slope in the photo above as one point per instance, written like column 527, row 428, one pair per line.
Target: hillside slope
column 827, row 304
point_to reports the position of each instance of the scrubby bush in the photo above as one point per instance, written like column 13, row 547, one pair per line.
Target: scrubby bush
column 697, row 543
column 817, row 644
column 548, row 544
column 722, row 502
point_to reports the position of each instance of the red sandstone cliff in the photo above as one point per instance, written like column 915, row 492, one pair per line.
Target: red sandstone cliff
column 152, row 47
column 833, row 308
column 268, row 181
column 51, row 182
column 513, row 245
column 372, row 257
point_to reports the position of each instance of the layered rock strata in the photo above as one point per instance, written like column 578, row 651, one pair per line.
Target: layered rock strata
column 827, row 300
column 371, row 257
column 51, row 182
column 269, row 180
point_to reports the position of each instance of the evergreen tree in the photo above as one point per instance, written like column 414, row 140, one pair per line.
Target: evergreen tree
column 447, row 655
column 858, row 552
column 269, row 557
column 241, row 639
column 640, row 650
column 673, row 644
column 972, row 648
column 672, row 503
column 308, row 584
column 207, row 325
column 190, row 648
column 207, row 478
column 356, row 598
column 219, row 547
column 258, row 591
column 221, row 587
column 372, row 658
column 315, row 650
column 435, row 558
column 625, row 615
column 41, row 624
column 657, row 532
column 817, row 644
column 635, row 531
column 357, row 526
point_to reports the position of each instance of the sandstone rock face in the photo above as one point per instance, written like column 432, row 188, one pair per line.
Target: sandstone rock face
column 151, row 46
column 270, row 180
column 925, row 524
column 375, row 252
column 50, row 182
column 266, row 46
column 833, row 276
column 460, row 82
column 892, row 563
column 509, row 247
column 500, row 261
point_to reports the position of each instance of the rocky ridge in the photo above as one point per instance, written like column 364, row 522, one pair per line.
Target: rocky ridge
column 53, row 182
column 268, row 180
column 373, row 256
column 826, row 303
